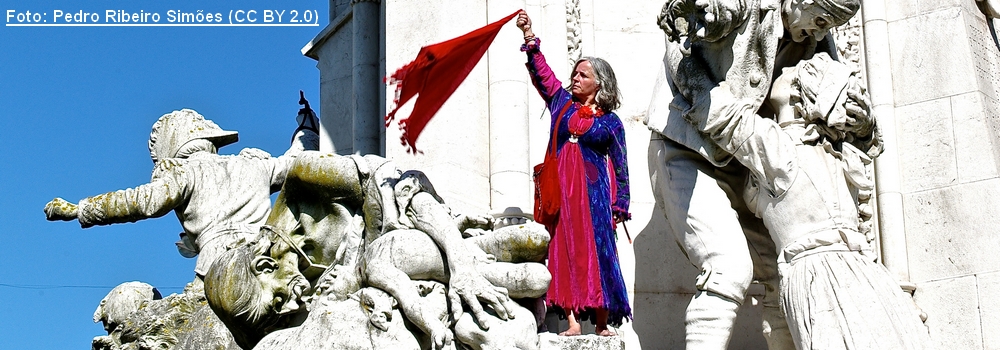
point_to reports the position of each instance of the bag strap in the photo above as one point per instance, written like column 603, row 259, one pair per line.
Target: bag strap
column 555, row 131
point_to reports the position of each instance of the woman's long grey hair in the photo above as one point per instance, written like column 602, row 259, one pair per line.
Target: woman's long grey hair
column 608, row 95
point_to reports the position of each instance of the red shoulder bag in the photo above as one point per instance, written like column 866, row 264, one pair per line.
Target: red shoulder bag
column 546, row 176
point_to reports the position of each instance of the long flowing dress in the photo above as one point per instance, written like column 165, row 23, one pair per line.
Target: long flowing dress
column 593, row 175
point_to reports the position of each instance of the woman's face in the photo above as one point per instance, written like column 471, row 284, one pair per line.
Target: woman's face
column 584, row 82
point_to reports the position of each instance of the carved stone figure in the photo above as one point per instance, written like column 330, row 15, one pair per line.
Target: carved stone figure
column 385, row 328
column 519, row 332
column 122, row 301
column 373, row 225
column 737, row 44
column 137, row 318
column 218, row 199
column 807, row 168
column 391, row 261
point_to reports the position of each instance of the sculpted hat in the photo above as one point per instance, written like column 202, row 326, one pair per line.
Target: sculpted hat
column 175, row 129
column 840, row 10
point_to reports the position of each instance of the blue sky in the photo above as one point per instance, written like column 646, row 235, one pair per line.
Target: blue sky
column 76, row 107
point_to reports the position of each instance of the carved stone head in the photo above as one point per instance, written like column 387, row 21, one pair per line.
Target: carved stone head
column 409, row 184
column 252, row 293
column 830, row 97
column 122, row 301
column 173, row 131
column 804, row 19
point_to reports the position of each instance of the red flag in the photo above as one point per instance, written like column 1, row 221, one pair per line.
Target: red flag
column 435, row 74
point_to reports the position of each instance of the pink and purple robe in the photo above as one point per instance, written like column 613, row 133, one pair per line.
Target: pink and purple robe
column 593, row 175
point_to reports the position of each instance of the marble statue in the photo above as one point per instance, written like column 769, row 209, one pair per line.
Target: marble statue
column 137, row 317
column 345, row 224
column 806, row 169
column 734, row 45
column 122, row 301
column 371, row 318
column 218, row 199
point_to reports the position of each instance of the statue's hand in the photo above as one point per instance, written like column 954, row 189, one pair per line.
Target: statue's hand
column 858, row 108
column 60, row 210
column 465, row 222
column 472, row 288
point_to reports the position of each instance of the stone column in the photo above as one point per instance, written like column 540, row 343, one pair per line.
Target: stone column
column 365, row 75
column 889, row 196
column 510, row 177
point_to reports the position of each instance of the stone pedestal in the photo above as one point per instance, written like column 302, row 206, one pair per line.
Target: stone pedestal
column 552, row 341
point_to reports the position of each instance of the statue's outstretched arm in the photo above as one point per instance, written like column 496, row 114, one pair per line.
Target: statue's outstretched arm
column 151, row 200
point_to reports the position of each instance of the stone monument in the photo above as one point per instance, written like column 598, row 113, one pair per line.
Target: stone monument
column 931, row 71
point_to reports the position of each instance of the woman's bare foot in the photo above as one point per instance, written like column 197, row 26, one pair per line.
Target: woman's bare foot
column 602, row 324
column 572, row 331
column 574, row 326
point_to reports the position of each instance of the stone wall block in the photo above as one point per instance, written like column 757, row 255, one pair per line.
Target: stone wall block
column 896, row 10
column 975, row 145
column 926, row 51
column 952, row 313
column 988, row 285
column 952, row 231
column 926, row 145
column 336, row 91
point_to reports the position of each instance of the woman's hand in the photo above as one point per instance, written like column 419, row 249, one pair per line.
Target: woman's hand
column 524, row 23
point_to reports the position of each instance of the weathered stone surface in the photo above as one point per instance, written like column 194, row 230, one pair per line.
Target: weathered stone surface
column 311, row 253
column 552, row 341
column 204, row 330
column 973, row 138
column 922, row 53
column 180, row 321
column 948, row 228
column 952, row 316
column 896, row 10
column 217, row 199
column 342, row 325
column 989, row 307
column 519, row 332
column 516, row 244
column 927, row 131
column 122, row 301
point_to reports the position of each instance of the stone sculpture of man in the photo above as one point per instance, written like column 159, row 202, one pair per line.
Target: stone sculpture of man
column 741, row 43
column 218, row 199
column 807, row 167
